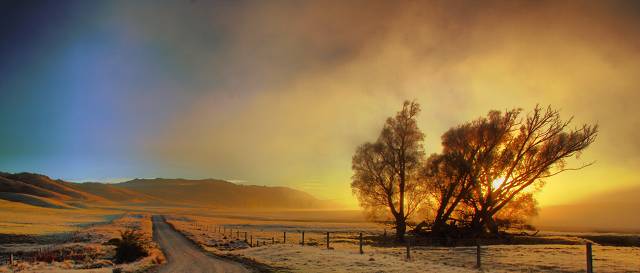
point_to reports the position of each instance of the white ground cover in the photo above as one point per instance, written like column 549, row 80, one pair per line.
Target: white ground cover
column 345, row 257
column 510, row 258
column 98, row 255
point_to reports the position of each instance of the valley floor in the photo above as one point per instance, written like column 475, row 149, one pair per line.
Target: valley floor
column 518, row 258
column 223, row 238
column 223, row 233
column 82, row 250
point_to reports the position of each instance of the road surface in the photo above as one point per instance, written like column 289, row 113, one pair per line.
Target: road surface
column 185, row 257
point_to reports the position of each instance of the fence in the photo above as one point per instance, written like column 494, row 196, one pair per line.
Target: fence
column 255, row 237
column 46, row 254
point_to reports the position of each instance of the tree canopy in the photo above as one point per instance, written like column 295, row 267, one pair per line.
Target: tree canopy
column 385, row 172
column 486, row 175
column 501, row 158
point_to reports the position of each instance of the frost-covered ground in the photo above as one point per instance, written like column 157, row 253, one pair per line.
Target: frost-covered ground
column 344, row 254
column 84, row 251
column 296, row 258
column 499, row 258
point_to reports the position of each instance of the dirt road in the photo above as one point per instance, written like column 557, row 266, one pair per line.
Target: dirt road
column 184, row 257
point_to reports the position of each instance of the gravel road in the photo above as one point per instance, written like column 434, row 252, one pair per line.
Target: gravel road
column 185, row 257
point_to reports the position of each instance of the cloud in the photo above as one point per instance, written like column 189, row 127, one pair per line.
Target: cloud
column 314, row 80
column 281, row 92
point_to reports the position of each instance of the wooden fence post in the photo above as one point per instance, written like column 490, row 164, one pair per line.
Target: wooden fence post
column 11, row 260
column 478, row 257
column 237, row 234
column 384, row 237
column 361, row 252
column 408, row 249
column 245, row 237
column 302, row 243
column 284, row 238
column 589, row 259
column 327, row 240
column 251, row 243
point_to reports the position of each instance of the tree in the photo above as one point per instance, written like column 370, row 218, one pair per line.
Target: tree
column 504, row 157
column 451, row 175
column 537, row 150
column 446, row 180
column 385, row 172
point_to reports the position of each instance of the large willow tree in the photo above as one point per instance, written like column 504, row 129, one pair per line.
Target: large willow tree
column 385, row 172
column 488, row 163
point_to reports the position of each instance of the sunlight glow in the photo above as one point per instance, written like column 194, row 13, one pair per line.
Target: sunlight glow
column 497, row 182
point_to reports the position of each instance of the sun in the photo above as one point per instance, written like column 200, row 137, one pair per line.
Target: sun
column 497, row 182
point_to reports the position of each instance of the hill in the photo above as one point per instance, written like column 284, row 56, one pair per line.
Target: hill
column 614, row 211
column 33, row 200
column 220, row 193
column 40, row 190
column 114, row 193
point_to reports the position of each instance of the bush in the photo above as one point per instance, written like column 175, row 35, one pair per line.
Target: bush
column 130, row 247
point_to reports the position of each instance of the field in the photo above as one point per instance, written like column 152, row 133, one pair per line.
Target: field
column 218, row 233
column 222, row 232
column 20, row 219
column 57, row 241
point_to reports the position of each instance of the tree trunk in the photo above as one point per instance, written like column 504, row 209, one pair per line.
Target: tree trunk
column 401, row 228
column 438, row 227
column 476, row 225
column 491, row 224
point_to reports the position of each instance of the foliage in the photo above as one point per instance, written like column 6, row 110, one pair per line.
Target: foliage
column 484, row 178
column 517, row 152
column 131, row 246
column 518, row 212
column 385, row 172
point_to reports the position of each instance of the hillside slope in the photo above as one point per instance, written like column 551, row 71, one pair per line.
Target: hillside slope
column 40, row 190
column 220, row 193
column 46, row 183
column 33, row 200
column 114, row 193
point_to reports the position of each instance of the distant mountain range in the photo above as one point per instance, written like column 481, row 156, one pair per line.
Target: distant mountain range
column 40, row 190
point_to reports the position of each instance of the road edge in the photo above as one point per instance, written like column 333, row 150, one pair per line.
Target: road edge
column 251, row 264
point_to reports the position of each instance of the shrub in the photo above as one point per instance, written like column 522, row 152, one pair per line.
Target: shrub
column 130, row 246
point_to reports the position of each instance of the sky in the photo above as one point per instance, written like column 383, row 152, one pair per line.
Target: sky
column 282, row 92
